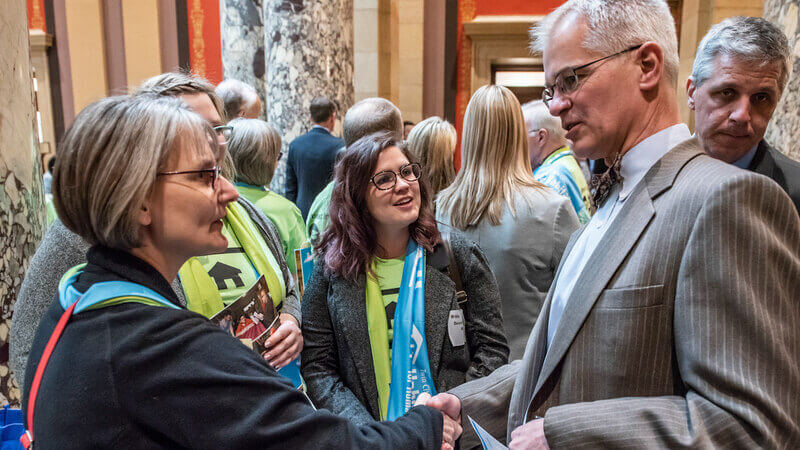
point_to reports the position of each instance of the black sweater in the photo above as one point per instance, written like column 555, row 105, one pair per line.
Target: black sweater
column 137, row 376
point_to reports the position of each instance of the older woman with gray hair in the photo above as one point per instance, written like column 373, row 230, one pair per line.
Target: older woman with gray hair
column 139, row 179
column 255, row 148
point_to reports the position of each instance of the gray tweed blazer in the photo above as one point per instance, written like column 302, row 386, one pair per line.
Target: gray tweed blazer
column 337, row 359
column 61, row 249
column 682, row 330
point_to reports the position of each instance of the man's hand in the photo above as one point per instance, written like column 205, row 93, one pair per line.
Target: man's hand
column 529, row 436
column 285, row 343
column 450, row 406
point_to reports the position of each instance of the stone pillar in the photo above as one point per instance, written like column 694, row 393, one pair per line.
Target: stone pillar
column 242, row 30
column 309, row 52
column 784, row 129
column 21, row 195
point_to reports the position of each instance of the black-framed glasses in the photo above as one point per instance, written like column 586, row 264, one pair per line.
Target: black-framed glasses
column 225, row 131
column 387, row 179
column 568, row 81
column 210, row 176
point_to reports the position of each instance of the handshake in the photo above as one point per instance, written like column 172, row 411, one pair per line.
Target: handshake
column 450, row 406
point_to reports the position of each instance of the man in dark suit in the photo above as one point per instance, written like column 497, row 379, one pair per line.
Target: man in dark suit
column 672, row 318
column 309, row 166
column 739, row 73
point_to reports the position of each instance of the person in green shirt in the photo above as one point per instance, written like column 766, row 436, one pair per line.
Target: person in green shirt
column 255, row 148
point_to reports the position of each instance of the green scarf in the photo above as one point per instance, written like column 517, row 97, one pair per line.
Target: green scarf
column 379, row 341
column 202, row 295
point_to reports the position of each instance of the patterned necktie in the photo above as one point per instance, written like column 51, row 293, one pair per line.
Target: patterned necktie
column 602, row 184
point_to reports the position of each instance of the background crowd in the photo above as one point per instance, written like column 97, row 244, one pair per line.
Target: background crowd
column 657, row 307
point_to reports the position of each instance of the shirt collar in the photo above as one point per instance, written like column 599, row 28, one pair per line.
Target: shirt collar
column 638, row 160
column 744, row 161
column 556, row 154
column 321, row 128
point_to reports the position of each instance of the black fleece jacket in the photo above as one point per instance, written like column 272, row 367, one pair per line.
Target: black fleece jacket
column 138, row 376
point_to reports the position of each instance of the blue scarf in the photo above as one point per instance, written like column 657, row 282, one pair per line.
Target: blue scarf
column 411, row 371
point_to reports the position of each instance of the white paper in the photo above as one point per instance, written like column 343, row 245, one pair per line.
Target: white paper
column 455, row 328
column 487, row 440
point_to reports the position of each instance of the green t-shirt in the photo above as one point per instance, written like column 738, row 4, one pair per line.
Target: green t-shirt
column 284, row 214
column 389, row 273
column 318, row 220
column 50, row 210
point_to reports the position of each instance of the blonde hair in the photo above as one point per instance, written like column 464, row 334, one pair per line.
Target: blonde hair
column 496, row 164
column 254, row 147
column 433, row 142
column 109, row 159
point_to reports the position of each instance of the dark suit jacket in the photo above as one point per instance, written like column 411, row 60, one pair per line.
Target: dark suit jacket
column 681, row 333
column 309, row 166
column 337, row 359
column 770, row 162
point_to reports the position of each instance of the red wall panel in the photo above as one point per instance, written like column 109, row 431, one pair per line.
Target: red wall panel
column 205, row 44
column 36, row 15
column 515, row 7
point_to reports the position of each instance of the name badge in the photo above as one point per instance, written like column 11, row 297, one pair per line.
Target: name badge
column 455, row 328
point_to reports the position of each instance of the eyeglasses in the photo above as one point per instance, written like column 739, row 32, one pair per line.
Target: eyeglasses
column 209, row 176
column 387, row 179
column 567, row 81
column 225, row 131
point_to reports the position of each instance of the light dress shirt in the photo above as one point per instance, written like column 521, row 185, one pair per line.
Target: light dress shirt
column 635, row 164
column 744, row 161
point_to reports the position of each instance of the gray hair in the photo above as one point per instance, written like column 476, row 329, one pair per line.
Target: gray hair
column 235, row 95
column 751, row 39
column 537, row 113
column 371, row 115
column 254, row 146
column 109, row 159
column 615, row 25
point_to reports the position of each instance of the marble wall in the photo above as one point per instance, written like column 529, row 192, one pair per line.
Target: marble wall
column 21, row 195
column 309, row 52
column 242, row 31
column 784, row 129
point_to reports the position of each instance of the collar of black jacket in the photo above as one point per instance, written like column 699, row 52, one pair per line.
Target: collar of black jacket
column 438, row 258
column 109, row 264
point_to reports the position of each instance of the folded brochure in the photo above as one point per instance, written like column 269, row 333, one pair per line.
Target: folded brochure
column 251, row 318
column 487, row 440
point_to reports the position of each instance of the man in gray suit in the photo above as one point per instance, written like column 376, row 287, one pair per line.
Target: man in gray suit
column 672, row 320
column 739, row 73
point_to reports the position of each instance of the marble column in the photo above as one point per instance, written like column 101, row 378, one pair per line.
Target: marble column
column 309, row 52
column 21, row 194
column 784, row 129
column 242, row 31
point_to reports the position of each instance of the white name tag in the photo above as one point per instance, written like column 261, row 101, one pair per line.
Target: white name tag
column 455, row 328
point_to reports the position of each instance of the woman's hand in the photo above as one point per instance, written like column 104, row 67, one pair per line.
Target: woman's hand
column 285, row 343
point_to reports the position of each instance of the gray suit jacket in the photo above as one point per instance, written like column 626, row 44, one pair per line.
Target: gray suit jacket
column 337, row 359
column 682, row 329
column 61, row 249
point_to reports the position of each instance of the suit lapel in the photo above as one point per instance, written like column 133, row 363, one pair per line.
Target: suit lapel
column 351, row 306
column 611, row 251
